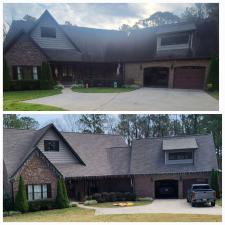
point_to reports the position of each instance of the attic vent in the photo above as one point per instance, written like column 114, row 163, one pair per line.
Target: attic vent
column 49, row 32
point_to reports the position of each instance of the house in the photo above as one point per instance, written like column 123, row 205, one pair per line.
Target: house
column 175, row 56
column 92, row 163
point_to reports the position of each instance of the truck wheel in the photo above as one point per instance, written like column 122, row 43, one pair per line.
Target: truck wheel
column 193, row 204
column 213, row 204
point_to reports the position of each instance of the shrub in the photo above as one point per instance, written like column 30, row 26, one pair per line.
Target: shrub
column 145, row 199
column 60, row 203
column 20, row 85
column 215, row 182
column 58, row 87
column 213, row 76
column 106, row 196
column 21, row 202
column 131, row 86
column 7, row 202
column 46, row 79
column 87, row 197
column 120, row 196
column 90, row 202
column 6, row 76
column 41, row 205
column 65, row 196
column 97, row 197
column 112, row 196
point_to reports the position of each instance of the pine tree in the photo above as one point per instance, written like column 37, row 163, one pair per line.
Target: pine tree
column 46, row 79
column 21, row 202
column 6, row 76
column 216, row 180
column 60, row 204
column 213, row 77
column 65, row 196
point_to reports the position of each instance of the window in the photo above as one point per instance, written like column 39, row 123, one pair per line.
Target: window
column 49, row 32
column 51, row 146
column 175, row 40
column 25, row 72
column 180, row 155
column 38, row 191
column 35, row 74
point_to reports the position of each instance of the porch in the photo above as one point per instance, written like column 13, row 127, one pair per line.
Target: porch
column 93, row 74
column 78, row 188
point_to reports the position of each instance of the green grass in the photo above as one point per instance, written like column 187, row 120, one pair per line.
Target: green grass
column 102, row 89
column 76, row 214
column 110, row 204
column 214, row 94
column 12, row 100
column 219, row 202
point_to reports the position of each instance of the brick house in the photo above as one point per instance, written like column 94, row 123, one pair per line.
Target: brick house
column 91, row 163
column 174, row 56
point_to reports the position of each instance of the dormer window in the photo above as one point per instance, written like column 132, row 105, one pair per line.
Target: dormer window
column 180, row 155
column 174, row 41
column 49, row 32
column 51, row 146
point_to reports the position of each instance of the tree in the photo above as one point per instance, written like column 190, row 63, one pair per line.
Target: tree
column 7, row 202
column 60, row 202
column 65, row 196
column 213, row 76
column 29, row 18
column 46, row 79
column 6, row 76
column 215, row 182
column 68, row 23
column 21, row 202
column 125, row 27
column 14, row 121
column 92, row 123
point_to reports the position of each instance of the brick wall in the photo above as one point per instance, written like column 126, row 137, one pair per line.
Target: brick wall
column 145, row 184
column 36, row 171
column 135, row 71
column 24, row 52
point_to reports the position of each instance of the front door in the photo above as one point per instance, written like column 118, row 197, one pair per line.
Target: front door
column 68, row 74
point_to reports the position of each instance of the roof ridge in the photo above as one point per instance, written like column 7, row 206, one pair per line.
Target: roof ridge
column 89, row 133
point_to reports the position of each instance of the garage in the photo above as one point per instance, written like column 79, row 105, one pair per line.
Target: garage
column 188, row 182
column 156, row 77
column 166, row 189
column 189, row 77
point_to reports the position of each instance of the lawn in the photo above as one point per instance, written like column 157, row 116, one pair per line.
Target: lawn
column 12, row 100
column 110, row 204
column 214, row 94
column 76, row 214
column 102, row 89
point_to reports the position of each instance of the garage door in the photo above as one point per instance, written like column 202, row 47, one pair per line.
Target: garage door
column 166, row 189
column 188, row 182
column 189, row 77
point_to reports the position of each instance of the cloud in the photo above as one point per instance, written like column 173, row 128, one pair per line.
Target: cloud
column 98, row 15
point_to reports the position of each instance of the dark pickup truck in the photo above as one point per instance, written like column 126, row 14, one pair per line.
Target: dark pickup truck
column 201, row 194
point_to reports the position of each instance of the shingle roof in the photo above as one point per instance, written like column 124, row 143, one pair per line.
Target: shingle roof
column 179, row 143
column 147, row 156
column 105, row 155
column 98, row 45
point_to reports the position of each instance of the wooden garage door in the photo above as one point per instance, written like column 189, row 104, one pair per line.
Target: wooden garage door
column 188, row 182
column 189, row 77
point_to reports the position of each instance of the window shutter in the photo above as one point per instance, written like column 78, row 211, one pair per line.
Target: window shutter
column 14, row 72
column 49, row 191
column 39, row 72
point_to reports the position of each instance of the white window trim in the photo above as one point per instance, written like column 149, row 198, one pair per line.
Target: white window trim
column 35, row 74
column 181, row 161
column 19, row 74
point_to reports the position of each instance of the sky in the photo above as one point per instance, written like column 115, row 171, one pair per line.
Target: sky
column 96, row 15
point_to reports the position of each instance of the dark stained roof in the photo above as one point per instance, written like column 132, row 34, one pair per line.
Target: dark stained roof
column 147, row 156
column 98, row 45
column 106, row 155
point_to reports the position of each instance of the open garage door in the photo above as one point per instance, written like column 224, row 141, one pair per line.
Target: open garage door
column 189, row 77
column 188, row 182
column 156, row 77
column 166, row 189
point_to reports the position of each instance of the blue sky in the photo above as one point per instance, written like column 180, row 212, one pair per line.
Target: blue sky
column 98, row 15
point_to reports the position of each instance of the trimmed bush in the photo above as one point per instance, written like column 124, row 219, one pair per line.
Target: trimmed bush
column 41, row 205
column 20, row 85
column 90, row 202
column 46, row 79
column 145, row 199
column 21, row 202
column 7, row 202
column 6, row 76
column 86, row 198
column 60, row 204
column 97, row 197
column 65, row 196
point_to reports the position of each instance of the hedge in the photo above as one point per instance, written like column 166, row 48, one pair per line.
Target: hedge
column 41, row 205
column 20, row 85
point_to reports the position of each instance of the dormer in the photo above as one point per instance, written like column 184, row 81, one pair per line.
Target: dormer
column 175, row 37
column 179, row 150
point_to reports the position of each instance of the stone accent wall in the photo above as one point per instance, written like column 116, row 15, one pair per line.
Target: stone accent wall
column 24, row 52
column 145, row 184
column 36, row 171
column 134, row 72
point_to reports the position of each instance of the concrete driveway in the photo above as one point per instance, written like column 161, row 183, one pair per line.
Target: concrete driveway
column 175, row 206
column 143, row 99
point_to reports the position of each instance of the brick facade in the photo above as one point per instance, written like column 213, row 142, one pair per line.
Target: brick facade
column 145, row 184
column 134, row 72
column 36, row 171
column 24, row 53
